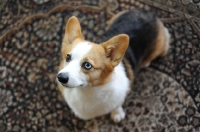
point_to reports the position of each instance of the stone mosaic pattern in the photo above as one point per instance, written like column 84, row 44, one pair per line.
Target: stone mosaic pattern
column 165, row 96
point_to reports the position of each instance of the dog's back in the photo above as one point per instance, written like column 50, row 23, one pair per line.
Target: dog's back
column 148, row 37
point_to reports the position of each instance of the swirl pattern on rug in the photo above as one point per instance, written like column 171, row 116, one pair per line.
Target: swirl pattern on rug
column 165, row 96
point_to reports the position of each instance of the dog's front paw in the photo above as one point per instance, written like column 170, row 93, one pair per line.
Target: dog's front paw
column 118, row 114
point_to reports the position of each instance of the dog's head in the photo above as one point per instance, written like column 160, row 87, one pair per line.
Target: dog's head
column 85, row 63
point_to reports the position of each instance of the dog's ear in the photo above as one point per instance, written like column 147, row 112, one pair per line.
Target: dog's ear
column 72, row 30
column 115, row 48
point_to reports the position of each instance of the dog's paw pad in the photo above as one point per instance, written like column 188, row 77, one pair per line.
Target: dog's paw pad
column 118, row 115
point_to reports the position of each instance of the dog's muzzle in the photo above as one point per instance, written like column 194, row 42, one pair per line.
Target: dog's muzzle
column 63, row 77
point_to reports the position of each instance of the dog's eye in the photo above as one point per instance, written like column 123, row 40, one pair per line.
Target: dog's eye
column 87, row 65
column 68, row 58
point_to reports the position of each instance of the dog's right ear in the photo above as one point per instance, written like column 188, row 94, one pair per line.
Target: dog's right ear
column 72, row 30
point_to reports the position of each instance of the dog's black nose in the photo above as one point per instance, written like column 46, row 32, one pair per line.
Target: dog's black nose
column 63, row 77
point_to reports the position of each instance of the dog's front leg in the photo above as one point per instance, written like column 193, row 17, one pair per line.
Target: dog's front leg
column 117, row 114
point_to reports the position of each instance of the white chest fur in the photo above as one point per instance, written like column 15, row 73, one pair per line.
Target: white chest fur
column 91, row 102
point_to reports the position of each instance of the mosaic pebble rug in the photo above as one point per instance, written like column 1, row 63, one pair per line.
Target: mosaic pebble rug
column 165, row 96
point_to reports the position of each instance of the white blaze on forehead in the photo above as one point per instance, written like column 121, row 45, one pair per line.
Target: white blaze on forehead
column 80, row 50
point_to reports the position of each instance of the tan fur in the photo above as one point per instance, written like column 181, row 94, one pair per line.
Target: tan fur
column 72, row 30
column 161, row 45
column 97, row 58
column 110, row 22
column 115, row 48
column 104, row 58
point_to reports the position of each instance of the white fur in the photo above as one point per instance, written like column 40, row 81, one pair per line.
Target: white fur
column 117, row 114
column 90, row 102
column 76, row 77
column 168, row 38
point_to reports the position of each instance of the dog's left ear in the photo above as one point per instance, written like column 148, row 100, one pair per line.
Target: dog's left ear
column 115, row 48
column 72, row 30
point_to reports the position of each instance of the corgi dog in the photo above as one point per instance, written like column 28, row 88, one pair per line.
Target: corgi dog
column 95, row 78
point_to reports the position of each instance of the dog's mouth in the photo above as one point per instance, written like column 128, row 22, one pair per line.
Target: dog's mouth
column 63, row 84
column 68, row 86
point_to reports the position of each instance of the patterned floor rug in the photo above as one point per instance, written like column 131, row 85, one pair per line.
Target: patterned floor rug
column 165, row 96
